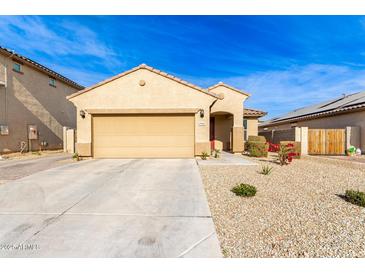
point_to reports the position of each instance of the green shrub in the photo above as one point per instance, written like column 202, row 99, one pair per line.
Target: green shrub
column 260, row 139
column 204, row 155
column 244, row 190
column 266, row 170
column 355, row 197
column 257, row 149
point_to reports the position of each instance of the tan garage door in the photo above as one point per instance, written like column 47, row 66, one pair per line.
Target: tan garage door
column 143, row 136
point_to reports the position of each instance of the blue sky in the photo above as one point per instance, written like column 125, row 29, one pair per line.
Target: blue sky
column 285, row 62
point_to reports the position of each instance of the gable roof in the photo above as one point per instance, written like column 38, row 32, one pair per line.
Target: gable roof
column 34, row 64
column 221, row 84
column 151, row 69
column 249, row 112
column 335, row 106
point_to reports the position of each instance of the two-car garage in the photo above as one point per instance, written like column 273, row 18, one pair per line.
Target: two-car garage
column 143, row 113
column 143, row 136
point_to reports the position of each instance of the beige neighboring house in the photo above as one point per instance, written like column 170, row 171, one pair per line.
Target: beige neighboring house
column 33, row 104
column 338, row 113
column 147, row 113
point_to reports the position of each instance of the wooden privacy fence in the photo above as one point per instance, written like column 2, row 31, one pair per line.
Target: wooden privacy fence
column 326, row 141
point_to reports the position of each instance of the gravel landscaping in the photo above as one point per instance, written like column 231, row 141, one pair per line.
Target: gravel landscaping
column 297, row 211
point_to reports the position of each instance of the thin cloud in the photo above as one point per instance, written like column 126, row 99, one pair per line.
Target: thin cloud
column 30, row 33
column 284, row 90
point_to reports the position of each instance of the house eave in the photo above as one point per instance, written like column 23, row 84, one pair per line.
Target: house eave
column 329, row 113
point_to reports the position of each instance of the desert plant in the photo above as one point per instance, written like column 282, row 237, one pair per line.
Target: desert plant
column 266, row 170
column 286, row 154
column 257, row 149
column 76, row 156
column 295, row 148
column 244, row 190
column 216, row 153
column 204, row 155
column 355, row 197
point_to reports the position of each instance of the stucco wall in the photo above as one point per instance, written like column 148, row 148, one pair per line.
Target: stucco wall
column 337, row 121
column 30, row 100
column 158, row 93
column 233, row 104
column 252, row 126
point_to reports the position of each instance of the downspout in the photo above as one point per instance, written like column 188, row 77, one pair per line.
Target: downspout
column 210, row 107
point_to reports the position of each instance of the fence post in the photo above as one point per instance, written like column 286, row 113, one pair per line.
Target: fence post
column 304, row 140
column 64, row 136
column 71, row 140
column 298, row 134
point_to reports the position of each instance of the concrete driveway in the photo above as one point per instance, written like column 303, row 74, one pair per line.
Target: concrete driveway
column 18, row 168
column 108, row 208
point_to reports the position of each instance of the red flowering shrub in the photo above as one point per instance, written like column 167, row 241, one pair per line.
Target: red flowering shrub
column 286, row 153
column 273, row 147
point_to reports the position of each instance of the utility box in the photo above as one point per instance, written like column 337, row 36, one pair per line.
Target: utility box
column 4, row 130
column 32, row 132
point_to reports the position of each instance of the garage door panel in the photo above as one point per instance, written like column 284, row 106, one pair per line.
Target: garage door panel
column 135, row 141
column 143, row 136
column 145, row 152
column 162, row 125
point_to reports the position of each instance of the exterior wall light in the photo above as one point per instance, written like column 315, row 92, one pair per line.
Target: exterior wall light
column 201, row 112
column 82, row 114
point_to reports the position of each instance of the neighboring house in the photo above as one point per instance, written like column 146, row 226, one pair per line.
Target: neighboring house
column 345, row 111
column 33, row 105
column 145, row 112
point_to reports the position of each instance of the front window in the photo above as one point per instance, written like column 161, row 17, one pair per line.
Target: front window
column 245, row 137
column 17, row 67
column 52, row 82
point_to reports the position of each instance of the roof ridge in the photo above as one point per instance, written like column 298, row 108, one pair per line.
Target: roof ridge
column 222, row 84
column 149, row 68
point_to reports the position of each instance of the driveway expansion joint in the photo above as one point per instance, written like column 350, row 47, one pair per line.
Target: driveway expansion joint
column 182, row 254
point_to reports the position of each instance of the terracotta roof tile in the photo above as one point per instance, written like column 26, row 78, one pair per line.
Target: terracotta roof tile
column 253, row 112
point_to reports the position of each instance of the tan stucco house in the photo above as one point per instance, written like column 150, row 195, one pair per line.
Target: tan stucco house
column 147, row 113
column 338, row 113
column 33, row 104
